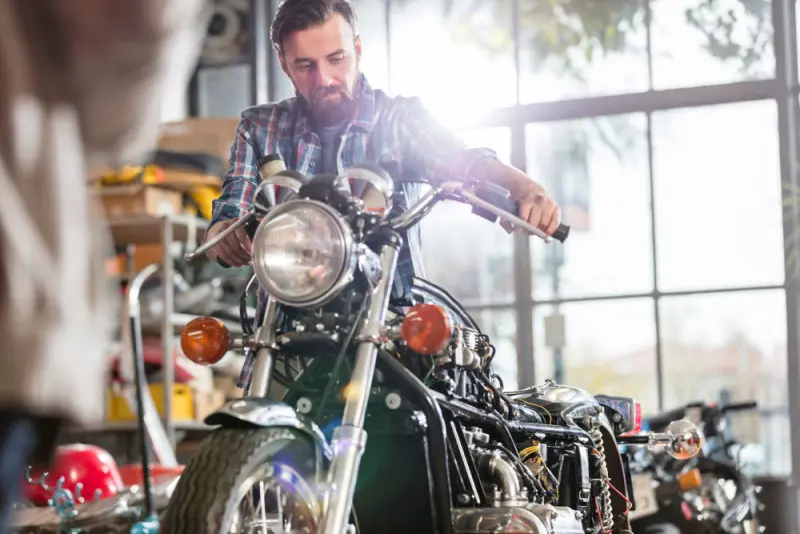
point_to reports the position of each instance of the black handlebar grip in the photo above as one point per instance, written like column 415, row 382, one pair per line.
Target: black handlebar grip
column 251, row 226
column 740, row 406
column 562, row 233
column 501, row 198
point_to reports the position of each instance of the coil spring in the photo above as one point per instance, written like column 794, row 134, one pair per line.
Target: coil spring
column 606, row 512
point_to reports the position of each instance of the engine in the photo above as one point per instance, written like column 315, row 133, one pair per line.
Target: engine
column 513, row 507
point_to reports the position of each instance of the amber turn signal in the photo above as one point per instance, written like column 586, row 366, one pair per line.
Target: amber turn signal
column 204, row 340
column 427, row 329
column 690, row 480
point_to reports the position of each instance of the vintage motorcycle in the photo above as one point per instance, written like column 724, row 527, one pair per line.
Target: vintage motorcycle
column 449, row 451
column 709, row 494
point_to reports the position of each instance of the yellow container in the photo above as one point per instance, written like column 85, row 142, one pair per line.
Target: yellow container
column 182, row 403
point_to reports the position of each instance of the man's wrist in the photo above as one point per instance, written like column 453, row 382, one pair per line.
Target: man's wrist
column 506, row 176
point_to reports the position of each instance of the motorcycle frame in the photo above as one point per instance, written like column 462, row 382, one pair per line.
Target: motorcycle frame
column 349, row 438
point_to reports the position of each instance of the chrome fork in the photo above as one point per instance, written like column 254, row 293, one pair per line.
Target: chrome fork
column 350, row 439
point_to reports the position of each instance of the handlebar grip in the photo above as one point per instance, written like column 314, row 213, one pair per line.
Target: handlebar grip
column 251, row 227
column 561, row 233
column 740, row 406
column 501, row 198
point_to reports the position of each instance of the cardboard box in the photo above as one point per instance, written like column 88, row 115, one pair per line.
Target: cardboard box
column 139, row 199
column 143, row 255
column 210, row 136
column 182, row 403
column 227, row 385
column 206, row 402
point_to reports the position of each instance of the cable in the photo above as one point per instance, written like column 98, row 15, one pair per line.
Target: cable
column 549, row 415
column 334, row 378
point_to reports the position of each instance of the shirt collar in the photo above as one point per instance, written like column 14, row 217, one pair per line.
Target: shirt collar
column 363, row 120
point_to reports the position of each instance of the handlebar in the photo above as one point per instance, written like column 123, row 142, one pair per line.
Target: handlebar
column 501, row 198
column 489, row 201
column 739, row 406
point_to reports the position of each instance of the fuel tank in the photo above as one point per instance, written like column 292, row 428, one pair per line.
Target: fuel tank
column 561, row 403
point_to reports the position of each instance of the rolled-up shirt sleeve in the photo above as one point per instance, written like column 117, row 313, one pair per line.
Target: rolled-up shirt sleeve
column 239, row 183
column 432, row 149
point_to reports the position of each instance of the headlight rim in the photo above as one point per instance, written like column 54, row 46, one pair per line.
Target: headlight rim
column 345, row 268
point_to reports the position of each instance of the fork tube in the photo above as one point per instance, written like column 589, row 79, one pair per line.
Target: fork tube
column 265, row 338
column 350, row 439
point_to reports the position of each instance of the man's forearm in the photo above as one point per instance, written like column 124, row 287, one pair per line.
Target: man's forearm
column 506, row 176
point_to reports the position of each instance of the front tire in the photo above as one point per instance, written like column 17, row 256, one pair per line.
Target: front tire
column 228, row 465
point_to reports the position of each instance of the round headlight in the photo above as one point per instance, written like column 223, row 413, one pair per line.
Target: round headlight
column 303, row 253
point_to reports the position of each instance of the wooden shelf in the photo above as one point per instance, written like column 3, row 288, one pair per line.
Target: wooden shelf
column 148, row 229
column 132, row 426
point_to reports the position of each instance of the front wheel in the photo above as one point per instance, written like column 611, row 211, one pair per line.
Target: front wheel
column 251, row 480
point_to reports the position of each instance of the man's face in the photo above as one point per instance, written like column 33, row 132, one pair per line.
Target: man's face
column 322, row 62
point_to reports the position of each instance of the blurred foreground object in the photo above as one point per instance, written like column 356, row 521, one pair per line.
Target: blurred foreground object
column 85, row 93
column 81, row 88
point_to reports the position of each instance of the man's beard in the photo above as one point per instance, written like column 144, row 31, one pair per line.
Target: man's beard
column 327, row 110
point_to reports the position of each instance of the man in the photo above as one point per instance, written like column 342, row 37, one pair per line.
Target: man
column 81, row 89
column 338, row 120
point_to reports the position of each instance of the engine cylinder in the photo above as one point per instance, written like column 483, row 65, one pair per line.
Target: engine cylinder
column 532, row 519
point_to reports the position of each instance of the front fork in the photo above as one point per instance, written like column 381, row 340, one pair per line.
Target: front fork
column 350, row 438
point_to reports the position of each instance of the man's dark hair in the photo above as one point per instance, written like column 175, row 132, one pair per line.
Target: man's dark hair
column 297, row 15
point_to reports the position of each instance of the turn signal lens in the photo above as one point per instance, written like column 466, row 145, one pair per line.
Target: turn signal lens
column 427, row 329
column 690, row 480
column 204, row 340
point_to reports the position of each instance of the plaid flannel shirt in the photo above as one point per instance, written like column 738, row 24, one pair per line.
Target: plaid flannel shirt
column 384, row 129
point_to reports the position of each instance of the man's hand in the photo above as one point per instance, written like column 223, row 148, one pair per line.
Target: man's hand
column 235, row 250
column 535, row 206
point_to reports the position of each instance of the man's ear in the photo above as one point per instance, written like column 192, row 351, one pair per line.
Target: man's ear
column 282, row 60
column 357, row 46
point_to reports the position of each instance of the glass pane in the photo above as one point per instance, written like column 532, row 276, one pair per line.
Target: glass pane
column 706, row 42
column 729, row 346
column 371, row 26
column 457, row 55
column 610, row 347
column 718, row 197
column 597, row 170
column 224, row 91
column 465, row 253
column 579, row 49
column 501, row 327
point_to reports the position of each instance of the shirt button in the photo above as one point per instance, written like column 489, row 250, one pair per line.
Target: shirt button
column 312, row 164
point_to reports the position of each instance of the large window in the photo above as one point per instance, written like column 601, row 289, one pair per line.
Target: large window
column 718, row 197
column 456, row 55
column 730, row 347
column 704, row 42
column 371, row 26
column 465, row 253
column 609, row 347
column 597, row 170
column 579, row 49
column 671, row 286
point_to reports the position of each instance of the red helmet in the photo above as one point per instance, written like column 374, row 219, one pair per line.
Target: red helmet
column 89, row 465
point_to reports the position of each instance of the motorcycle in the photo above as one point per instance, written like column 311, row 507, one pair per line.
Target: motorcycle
column 709, row 494
column 449, row 450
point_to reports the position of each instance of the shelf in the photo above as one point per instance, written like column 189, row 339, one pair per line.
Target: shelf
column 149, row 229
column 155, row 327
column 132, row 426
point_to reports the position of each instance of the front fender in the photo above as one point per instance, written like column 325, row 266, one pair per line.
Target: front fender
column 266, row 413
